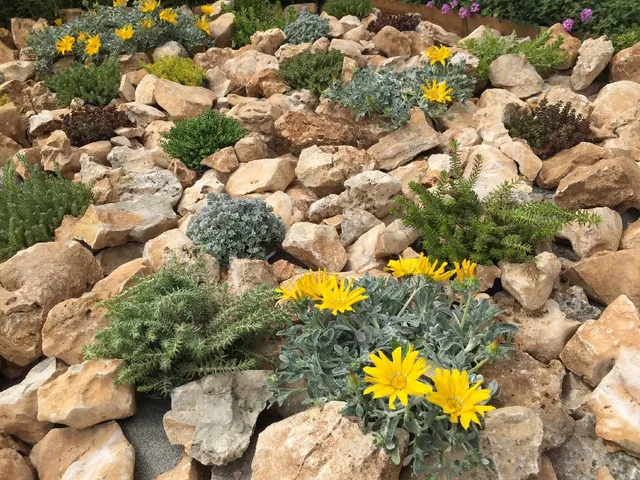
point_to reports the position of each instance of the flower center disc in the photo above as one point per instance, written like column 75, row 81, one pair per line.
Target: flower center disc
column 398, row 382
column 454, row 404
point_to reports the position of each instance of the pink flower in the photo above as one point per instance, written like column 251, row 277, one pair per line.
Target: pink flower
column 585, row 15
column 445, row 9
column 464, row 13
column 453, row 3
column 475, row 7
column 431, row 3
column 568, row 24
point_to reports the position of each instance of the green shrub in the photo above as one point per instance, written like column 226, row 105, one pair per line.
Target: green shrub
column 177, row 69
column 253, row 16
column 192, row 140
column 551, row 128
column 97, row 85
column 307, row 28
column 236, row 228
column 405, row 22
column 328, row 354
column 392, row 95
column 342, row 8
column 174, row 327
column 31, row 211
column 90, row 124
column 315, row 71
column 626, row 39
column 455, row 224
column 545, row 58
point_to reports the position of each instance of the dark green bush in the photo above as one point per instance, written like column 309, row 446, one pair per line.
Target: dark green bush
column 626, row 39
column 551, row 128
column 236, row 228
column 342, row 8
column 91, row 124
column 175, row 327
column 97, row 85
column 253, row 16
column 192, row 140
column 31, row 211
column 315, row 71
column 177, row 69
column 455, row 224
column 405, row 22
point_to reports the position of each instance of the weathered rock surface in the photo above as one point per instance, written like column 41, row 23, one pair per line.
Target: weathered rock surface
column 593, row 57
column 267, row 175
column 513, row 73
column 589, row 239
column 300, row 130
column 615, row 104
column 496, row 168
column 13, row 465
column 531, row 285
column 181, row 101
column 354, row 224
column 570, row 45
column 555, row 168
column 317, row 246
column 528, row 162
column 361, row 254
column 392, row 43
column 625, row 65
column 247, row 273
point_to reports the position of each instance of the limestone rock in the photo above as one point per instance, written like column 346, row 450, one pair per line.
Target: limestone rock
column 496, row 168
column 186, row 469
column 251, row 148
column 242, row 67
column 13, row 465
column 593, row 57
column 402, row 145
column 589, row 239
column 86, row 395
column 247, row 273
column 396, row 237
column 614, row 104
column 11, row 124
column 8, row 148
column 222, row 29
column 570, row 45
column 144, row 93
column 101, row 451
column 193, row 198
column 32, row 282
column 592, row 351
column 301, row 130
column 415, row 171
column 631, row 236
column 531, row 285
column 625, row 65
column 18, row 70
column 350, row 49
column 169, row 49
column 513, row 73
column 512, row 438
column 268, row 41
column 214, row 417
column 555, row 168
column 118, row 223
column 325, row 169
column 528, row 162
column 392, row 43
column 558, row 94
column 266, row 83
column 317, row 246
column 224, row 161
column 355, row 223
column 181, row 101
column 267, row 175
column 284, row 206
column 321, row 443
column 497, row 105
column 142, row 115
column 19, row 404
column 361, row 254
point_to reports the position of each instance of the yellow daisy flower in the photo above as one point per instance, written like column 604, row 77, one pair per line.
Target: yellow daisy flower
column 432, row 270
column 311, row 284
column 125, row 33
column 149, row 5
column 438, row 54
column 437, row 92
column 208, row 9
column 58, row 22
column 339, row 297
column 462, row 403
column 289, row 292
column 147, row 23
column 398, row 378
column 169, row 15
column 465, row 271
column 203, row 24
column 402, row 267
column 93, row 45
column 65, row 44
column 120, row 3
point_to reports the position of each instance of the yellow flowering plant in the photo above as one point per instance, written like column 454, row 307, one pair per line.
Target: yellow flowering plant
column 409, row 356
column 64, row 45
column 169, row 15
column 124, row 33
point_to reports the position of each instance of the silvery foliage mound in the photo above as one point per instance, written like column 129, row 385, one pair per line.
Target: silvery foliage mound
column 307, row 28
column 392, row 94
column 236, row 228
column 323, row 357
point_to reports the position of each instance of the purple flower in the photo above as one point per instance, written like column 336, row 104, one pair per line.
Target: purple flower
column 453, row 3
column 445, row 9
column 568, row 24
column 431, row 3
column 475, row 7
column 585, row 15
column 464, row 13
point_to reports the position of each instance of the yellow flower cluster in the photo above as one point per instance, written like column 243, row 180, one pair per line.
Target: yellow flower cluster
column 147, row 23
column 65, row 44
column 401, row 377
column 438, row 54
column 120, row 3
column 125, row 33
column 203, row 24
column 148, row 6
column 334, row 295
column 92, row 45
column 208, row 10
column 421, row 265
column 436, row 92
column 169, row 15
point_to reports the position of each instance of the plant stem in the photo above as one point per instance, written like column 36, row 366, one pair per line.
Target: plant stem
column 466, row 311
column 479, row 365
column 406, row 305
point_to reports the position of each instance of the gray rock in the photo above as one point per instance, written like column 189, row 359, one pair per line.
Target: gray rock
column 573, row 302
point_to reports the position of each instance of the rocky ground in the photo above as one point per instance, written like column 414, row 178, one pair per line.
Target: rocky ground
column 569, row 399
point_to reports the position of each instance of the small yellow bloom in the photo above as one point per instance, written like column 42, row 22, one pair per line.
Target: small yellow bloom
column 120, row 3
column 289, row 292
column 465, row 271
column 82, row 36
column 402, row 267
column 339, row 297
column 149, row 5
column 438, row 54
column 147, row 23
column 398, row 378
column 58, row 22
column 203, row 24
column 311, row 284
column 169, row 15
column 208, row 9
column 65, row 44
column 461, row 402
column 432, row 270
column 437, row 92
column 125, row 33
column 93, row 45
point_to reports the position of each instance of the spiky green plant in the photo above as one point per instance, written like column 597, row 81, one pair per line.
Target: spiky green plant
column 97, row 85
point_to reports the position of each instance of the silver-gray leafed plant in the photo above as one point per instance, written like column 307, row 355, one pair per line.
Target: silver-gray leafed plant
column 307, row 28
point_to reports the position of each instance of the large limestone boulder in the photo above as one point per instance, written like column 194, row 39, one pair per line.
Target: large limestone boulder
column 531, row 285
column 118, row 223
column 592, row 351
column 392, row 43
column 570, row 45
column 268, row 41
column 19, row 404
column 496, row 106
column 86, row 395
column 14, row 465
column 528, row 162
column 496, row 168
column 589, row 239
column 300, row 130
column 513, row 73
column 625, row 65
column 101, row 451
column 355, row 223
column 242, row 67
column 322, row 443
column 266, row 175
column 19, row 70
column 214, row 417
column 317, row 246
column 32, row 282
column 615, row 104
column 593, row 57
column 181, row 101
column 361, row 254
column 555, row 168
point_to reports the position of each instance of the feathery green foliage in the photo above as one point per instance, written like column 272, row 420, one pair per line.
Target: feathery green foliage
column 342, row 8
column 236, row 228
column 253, row 16
column 174, row 327
column 177, row 69
column 31, row 211
column 97, row 85
column 455, row 224
column 193, row 139
column 315, row 71
column 626, row 39
column 307, row 28
column 544, row 57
